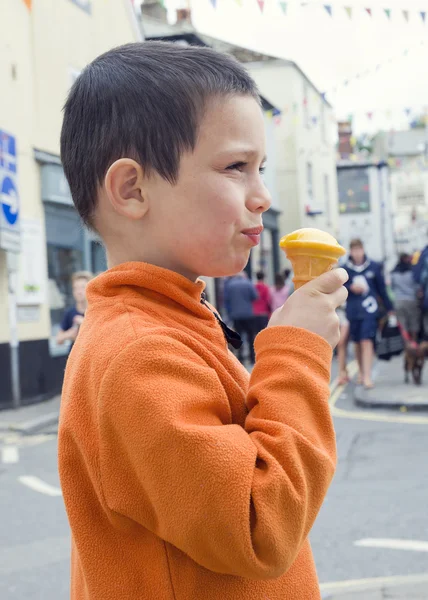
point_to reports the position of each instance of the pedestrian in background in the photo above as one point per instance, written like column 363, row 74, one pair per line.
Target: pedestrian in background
column 405, row 289
column 366, row 285
column 240, row 294
column 279, row 292
column 421, row 278
column 262, row 306
column 73, row 316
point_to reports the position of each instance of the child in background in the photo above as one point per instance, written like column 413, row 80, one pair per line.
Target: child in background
column 183, row 477
column 73, row 316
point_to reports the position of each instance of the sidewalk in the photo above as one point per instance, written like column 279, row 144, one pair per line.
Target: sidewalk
column 414, row 589
column 30, row 419
column 390, row 390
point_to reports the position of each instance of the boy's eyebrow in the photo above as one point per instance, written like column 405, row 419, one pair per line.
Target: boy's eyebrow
column 242, row 152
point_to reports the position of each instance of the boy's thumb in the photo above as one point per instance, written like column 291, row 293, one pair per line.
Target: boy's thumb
column 329, row 282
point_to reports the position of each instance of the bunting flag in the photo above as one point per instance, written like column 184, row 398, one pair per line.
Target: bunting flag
column 283, row 7
column 28, row 4
column 370, row 115
column 407, row 111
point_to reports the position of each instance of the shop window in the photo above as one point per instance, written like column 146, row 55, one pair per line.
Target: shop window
column 65, row 253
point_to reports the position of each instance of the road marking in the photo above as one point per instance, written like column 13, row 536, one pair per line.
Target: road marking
column 9, row 455
column 377, row 583
column 38, row 485
column 413, row 545
column 336, row 391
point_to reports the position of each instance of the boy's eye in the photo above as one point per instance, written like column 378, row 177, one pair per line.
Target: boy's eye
column 238, row 166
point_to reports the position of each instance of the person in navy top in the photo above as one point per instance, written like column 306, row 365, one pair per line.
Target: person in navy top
column 366, row 286
column 73, row 316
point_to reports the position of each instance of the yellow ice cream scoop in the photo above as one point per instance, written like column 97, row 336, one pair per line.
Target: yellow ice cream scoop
column 311, row 252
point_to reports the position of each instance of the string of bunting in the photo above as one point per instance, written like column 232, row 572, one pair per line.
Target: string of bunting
column 415, row 115
column 332, row 10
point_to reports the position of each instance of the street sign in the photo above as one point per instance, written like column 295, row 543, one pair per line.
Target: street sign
column 9, row 197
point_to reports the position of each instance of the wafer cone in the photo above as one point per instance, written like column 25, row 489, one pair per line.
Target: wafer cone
column 311, row 252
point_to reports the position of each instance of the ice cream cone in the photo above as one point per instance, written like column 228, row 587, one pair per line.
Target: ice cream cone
column 311, row 252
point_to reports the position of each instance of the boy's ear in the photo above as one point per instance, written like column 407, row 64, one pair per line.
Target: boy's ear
column 124, row 186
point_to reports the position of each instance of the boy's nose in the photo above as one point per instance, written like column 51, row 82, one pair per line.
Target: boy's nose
column 260, row 200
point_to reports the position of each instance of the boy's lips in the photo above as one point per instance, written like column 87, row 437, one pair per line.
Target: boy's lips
column 253, row 234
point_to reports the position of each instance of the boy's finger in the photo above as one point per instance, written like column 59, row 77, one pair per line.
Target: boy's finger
column 340, row 296
column 331, row 281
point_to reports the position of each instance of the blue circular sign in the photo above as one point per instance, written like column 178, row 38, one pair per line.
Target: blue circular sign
column 9, row 201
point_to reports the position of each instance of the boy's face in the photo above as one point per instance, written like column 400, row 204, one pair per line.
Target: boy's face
column 79, row 289
column 357, row 254
column 202, row 224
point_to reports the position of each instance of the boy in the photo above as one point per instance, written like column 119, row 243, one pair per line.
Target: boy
column 73, row 316
column 366, row 285
column 182, row 479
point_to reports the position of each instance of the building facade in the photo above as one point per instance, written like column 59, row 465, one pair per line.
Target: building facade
column 43, row 47
column 406, row 153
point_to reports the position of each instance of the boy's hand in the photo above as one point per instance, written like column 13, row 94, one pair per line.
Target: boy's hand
column 313, row 306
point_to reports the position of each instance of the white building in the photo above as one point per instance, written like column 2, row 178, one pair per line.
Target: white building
column 407, row 155
column 43, row 45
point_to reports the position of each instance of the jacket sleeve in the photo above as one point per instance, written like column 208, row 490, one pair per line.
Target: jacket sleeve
column 238, row 500
column 381, row 289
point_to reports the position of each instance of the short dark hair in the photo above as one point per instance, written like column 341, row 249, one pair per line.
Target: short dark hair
column 260, row 275
column 356, row 243
column 143, row 101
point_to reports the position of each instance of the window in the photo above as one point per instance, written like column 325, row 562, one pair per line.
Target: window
column 65, row 248
column 354, row 191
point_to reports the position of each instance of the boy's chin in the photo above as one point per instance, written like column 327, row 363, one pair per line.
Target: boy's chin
column 226, row 270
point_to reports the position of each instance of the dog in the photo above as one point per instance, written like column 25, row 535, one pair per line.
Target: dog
column 414, row 359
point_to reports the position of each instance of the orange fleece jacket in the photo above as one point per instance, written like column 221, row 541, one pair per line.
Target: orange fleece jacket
column 183, row 477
